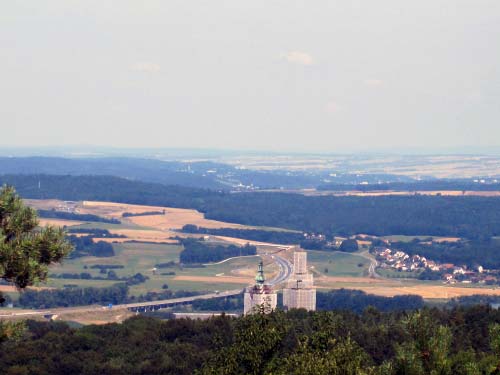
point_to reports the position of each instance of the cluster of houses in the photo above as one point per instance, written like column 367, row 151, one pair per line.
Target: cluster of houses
column 450, row 273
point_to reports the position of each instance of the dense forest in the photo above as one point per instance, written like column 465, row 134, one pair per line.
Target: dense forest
column 73, row 296
column 196, row 251
column 341, row 299
column 272, row 236
column 53, row 214
column 85, row 246
column 471, row 217
column 460, row 341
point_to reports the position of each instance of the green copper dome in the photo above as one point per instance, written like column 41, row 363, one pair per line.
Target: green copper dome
column 259, row 278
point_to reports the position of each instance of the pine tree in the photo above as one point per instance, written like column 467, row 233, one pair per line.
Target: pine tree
column 26, row 251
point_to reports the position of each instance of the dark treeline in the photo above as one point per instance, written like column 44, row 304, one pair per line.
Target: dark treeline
column 460, row 341
column 470, row 253
column 73, row 296
column 358, row 301
column 342, row 299
column 349, row 245
column 470, row 216
column 53, row 214
column 115, row 294
column 106, row 266
column 426, row 185
column 279, row 237
column 85, row 246
column 138, row 278
column 94, row 232
column 226, row 304
column 106, row 188
column 196, row 251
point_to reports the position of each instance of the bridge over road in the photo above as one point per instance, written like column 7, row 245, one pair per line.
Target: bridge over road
column 285, row 269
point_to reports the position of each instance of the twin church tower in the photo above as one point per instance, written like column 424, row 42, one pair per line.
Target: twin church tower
column 299, row 291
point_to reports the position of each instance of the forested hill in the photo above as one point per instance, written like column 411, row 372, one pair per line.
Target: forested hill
column 470, row 217
column 148, row 170
column 107, row 188
column 201, row 174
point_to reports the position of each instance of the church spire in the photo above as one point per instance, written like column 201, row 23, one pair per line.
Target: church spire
column 259, row 278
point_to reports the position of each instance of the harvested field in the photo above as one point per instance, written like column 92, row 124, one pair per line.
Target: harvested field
column 134, row 239
column 144, row 235
column 174, row 218
column 99, row 317
column 59, row 222
column 390, row 288
column 331, row 280
column 446, row 239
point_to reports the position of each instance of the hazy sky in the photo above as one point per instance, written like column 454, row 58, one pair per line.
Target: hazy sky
column 311, row 75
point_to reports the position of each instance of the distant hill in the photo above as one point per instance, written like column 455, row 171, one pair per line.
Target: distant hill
column 164, row 172
column 106, row 188
column 470, row 217
column 200, row 174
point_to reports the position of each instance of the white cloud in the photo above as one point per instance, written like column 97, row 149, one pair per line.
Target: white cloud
column 299, row 57
column 147, row 67
column 374, row 82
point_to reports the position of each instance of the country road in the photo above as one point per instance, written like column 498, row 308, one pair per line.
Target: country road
column 373, row 264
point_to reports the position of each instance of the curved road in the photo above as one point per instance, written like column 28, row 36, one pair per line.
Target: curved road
column 285, row 269
column 373, row 264
column 284, row 273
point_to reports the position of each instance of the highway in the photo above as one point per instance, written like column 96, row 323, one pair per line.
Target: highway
column 285, row 270
column 141, row 306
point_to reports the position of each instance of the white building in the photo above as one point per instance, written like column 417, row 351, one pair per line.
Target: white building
column 260, row 297
column 300, row 292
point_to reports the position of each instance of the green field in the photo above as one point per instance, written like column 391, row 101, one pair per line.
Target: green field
column 338, row 263
column 142, row 258
column 392, row 273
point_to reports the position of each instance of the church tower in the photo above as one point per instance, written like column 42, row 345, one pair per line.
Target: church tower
column 260, row 297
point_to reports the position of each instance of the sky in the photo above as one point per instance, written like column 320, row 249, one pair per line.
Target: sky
column 321, row 75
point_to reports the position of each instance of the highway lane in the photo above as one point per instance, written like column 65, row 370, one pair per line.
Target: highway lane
column 285, row 269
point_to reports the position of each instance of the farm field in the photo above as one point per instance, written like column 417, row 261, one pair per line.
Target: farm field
column 153, row 244
column 328, row 263
column 442, row 166
column 143, row 257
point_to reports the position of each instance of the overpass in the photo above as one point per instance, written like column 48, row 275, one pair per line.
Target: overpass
column 285, row 270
